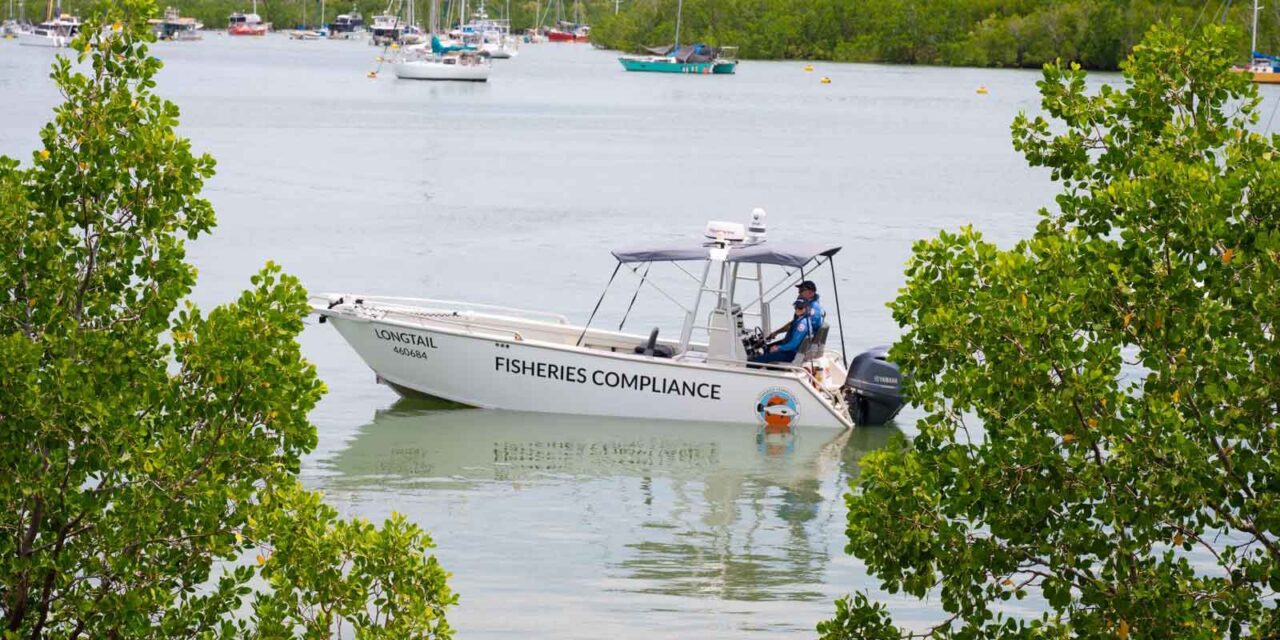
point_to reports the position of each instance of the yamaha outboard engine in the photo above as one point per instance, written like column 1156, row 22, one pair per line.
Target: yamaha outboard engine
column 873, row 389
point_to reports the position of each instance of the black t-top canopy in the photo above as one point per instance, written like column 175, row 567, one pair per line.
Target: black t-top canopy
column 787, row 254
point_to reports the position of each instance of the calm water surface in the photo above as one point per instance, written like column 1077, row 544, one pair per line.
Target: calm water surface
column 512, row 192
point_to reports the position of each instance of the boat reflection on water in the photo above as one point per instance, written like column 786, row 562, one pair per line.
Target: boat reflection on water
column 702, row 510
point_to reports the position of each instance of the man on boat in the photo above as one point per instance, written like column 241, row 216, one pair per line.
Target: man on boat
column 797, row 331
column 809, row 293
column 817, row 315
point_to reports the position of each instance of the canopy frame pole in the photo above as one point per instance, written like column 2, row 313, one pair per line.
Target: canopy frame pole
column 686, row 333
column 765, row 320
column 640, row 286
column 835, row 289
column 593, row 311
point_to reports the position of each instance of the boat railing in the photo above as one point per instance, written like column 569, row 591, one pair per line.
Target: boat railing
column 415, row 304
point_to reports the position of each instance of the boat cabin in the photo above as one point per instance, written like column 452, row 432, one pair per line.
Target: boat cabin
column 347, row 23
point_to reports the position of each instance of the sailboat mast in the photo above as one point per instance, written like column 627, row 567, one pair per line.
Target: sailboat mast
column 679, row 12
column 1253, row 45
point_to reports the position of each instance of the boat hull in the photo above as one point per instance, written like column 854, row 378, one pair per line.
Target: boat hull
column 1266, row 77
column 37, row 40
column 496, row 371
column 668, row 65
column 247, row 31
column 418, row 70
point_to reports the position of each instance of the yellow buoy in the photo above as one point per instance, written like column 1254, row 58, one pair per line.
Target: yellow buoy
column 982, row 90
column 808, row 67
column 394, row 46
column 825, row 80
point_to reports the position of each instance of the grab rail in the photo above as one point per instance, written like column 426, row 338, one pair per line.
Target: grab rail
column 451, row 305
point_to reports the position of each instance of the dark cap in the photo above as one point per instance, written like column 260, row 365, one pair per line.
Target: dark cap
column 808, row 284
column 800, row 302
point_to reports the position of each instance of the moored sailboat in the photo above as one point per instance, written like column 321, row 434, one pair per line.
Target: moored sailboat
column 440, row 62
column 1263, row 68
column 697, row 59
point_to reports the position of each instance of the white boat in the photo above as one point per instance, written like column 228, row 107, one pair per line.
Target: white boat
column 490, row 35
column 421, row 64
column 56, row 32
column 176, row 28
column 495, row 357
column 10, row 29
column 385, row 30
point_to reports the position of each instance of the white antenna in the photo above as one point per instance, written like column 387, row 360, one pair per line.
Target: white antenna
column 756, row 228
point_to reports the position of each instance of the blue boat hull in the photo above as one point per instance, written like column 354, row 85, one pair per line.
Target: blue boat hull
column 668, row 65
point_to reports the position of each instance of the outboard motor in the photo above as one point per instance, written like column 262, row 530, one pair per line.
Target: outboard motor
column 873, row 389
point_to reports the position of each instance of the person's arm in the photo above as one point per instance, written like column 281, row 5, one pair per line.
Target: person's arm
column 797, row 336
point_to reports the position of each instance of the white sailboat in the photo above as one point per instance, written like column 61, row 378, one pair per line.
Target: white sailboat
column 422, row 64
column 496, row 357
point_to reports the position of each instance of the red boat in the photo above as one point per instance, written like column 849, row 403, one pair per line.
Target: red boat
column 247, row 24
column 580, row 34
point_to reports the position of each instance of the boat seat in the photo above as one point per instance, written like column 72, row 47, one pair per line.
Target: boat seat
column 812, row 347
column 653, row 349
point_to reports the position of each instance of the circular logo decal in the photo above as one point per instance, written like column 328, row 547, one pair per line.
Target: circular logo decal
column 778, row 410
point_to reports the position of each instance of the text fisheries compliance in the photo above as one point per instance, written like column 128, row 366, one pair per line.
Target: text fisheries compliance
column 611, row 379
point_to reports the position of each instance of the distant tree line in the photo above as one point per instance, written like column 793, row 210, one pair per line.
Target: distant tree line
column 1004, row 33
column 998, row 33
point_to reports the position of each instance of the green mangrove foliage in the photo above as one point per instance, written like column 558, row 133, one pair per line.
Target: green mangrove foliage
column 1098, row 34
column 149, row 450
column 1102, row 397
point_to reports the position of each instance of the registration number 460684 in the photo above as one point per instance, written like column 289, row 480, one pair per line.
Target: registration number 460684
column 410, row 353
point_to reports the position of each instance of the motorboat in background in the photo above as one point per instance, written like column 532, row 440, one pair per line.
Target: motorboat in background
column 174, row 27
column 347, row 26
column 497, row 357
column 56, row 32
column 247, row 24
column 385, row 30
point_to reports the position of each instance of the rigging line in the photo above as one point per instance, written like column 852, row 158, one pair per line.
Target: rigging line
column 1226, row 6
column 593, row 311
column 835, row 288
column 635, row 295
column 1201, row 14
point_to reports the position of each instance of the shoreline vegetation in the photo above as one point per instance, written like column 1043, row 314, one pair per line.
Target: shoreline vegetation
column 1097, row 34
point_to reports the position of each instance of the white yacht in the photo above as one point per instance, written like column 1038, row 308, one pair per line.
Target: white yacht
column 501, row 358
column 419, row 63
column 57, row 32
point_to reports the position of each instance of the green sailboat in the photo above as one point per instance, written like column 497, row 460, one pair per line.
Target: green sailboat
column 697, row 58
